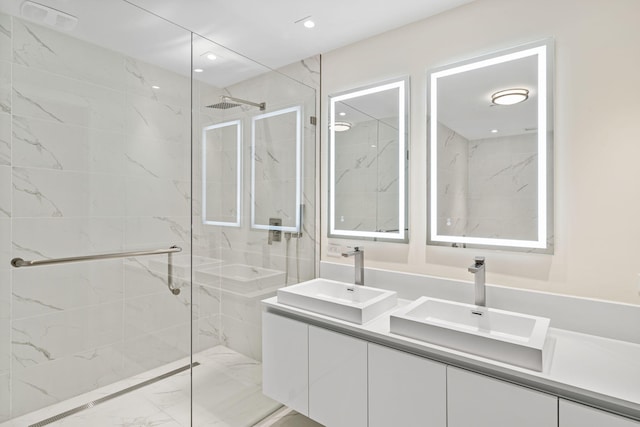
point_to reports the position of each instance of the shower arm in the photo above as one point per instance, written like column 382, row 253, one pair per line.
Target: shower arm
column 261, row 105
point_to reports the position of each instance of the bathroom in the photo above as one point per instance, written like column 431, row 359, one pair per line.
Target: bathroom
column 95, row 159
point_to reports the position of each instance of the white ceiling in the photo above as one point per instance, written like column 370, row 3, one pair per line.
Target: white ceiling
column 264, row 31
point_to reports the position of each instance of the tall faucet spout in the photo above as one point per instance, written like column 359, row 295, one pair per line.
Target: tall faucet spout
column 358, row 254
column 478, row 270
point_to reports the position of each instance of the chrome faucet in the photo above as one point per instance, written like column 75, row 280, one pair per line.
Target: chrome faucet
column 478, row 271
column 358, row 253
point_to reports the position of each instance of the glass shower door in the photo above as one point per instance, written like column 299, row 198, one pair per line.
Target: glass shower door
column 95, row 125
column 253, row 213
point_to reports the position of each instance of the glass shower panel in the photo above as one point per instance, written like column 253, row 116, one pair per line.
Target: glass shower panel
column 245, row 264
column 94, row 158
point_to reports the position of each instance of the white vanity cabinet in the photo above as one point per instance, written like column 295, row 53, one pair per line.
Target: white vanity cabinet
column 337, row 379
column 285, row 361
column 405, row 390
column 479, row 401
column 573, row 414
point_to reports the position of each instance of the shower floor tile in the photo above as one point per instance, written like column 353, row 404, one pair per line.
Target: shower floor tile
column 226, row 388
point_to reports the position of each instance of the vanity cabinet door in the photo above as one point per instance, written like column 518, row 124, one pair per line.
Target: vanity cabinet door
column 405, row 390
column 479, row 401
column 337, row 379
column 575, row 415
column 285, row 361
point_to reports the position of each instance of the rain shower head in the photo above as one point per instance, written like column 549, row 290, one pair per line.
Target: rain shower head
column 236, row 102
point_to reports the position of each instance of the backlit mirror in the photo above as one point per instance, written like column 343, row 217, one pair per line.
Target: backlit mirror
column 368, row 162
column 221, row 173
column 490, row 151
column 276, row 170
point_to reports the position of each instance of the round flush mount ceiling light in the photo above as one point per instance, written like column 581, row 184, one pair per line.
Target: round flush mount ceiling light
column 198, row 70
column 309, row 23
column 341, row 126
column 510, row 96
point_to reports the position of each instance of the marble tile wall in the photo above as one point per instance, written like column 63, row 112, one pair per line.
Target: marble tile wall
column 92, row 160
column 229, row 309
column 503, row 187
column 487, row 187
column 453, row 178
column 367, row 177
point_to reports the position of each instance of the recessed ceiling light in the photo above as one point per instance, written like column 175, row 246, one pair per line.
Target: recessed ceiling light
column 309, row 23
column 494, row 130
column 342, row 113
column 155, row 87
column 211, row 57
column 198, row 70
column 510, row 96
column 341, row 126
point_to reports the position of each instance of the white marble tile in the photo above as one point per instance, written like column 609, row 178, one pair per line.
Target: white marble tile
column 154, row 197
column 5, row 191
column 156, row 348
column 207, row 331
column 5, row 397
column 157, row 231
column 141, row 280
column 154, row 312
column 5, row 87
column 50, row 289
column 36, row 238
column 150, row 119
column 39, row 47
column 53, row 193
column 52, row 145
column 157, row 158
column 5, row 37
column 5, row 243
column 5, row 139
column 42, row 339
column 173, row 89
column 42, row 193
column 245, row 338
column 43, row 384
column 5, row 337
column 47, row 96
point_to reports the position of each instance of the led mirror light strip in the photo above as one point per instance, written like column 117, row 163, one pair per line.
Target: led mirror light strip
column 238, row 125
column 400, row 234
column 297, row 110
column 541, row 242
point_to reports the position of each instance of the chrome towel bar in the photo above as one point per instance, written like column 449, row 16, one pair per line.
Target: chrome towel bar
column 19, row 262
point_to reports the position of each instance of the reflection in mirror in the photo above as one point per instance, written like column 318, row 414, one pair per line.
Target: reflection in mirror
column 221, row 173
column 367, row 164
column 490, row 138
column 276, row 171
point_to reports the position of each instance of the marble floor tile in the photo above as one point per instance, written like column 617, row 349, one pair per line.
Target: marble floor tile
column 226, row 390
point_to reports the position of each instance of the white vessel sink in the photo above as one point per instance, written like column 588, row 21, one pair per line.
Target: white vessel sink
column 353, row 303
column 501, row 335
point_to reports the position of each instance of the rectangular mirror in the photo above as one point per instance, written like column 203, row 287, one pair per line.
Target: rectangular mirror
column 221, row 173
column 276, row 170
column 490, row 151
column 368, row 162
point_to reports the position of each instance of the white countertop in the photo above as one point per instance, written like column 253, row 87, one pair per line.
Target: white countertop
column 597, row 371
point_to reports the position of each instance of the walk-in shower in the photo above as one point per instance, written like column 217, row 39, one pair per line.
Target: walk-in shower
column 123, row 305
